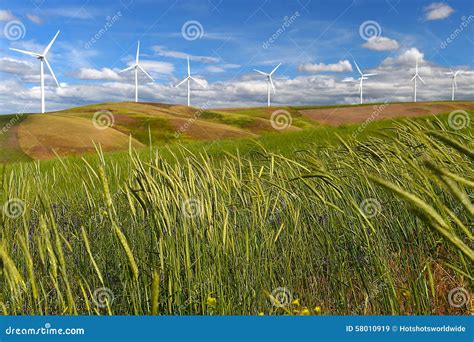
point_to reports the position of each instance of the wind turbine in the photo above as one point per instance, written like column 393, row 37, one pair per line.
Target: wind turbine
column 137, row 67
column 42, row 58
column 415, row 76
column 361, row 79
column 188, row 79
column 269, row 82
column 454, row 84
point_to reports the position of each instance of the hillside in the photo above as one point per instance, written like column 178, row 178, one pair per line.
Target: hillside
column 114, row 126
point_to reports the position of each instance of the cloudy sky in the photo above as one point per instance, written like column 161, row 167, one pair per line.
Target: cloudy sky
column 316, row 42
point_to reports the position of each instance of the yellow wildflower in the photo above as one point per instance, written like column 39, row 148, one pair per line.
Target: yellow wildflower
column 317, row 310
column 305, row 312
column 296, row 302
column 211, row 301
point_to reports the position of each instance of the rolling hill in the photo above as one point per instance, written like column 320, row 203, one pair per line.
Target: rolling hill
column 80, row 130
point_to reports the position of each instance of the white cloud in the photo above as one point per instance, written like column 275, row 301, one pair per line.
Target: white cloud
column 163, row 51
column 381, row 44
column 338, row 67
column 72, row 12
column 391, row 84
column 157, row 67
column 34, row 18
column 221, row 68
column 95, row 74
column 407, row 57
column 6, row 15
column 438, row 11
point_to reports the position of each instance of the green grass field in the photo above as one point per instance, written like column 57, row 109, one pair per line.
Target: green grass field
column 354, row 219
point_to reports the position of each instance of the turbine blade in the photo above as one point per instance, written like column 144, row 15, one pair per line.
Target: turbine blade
column 368, row 75
column 34, row 54
column 261, row 72
column 414, row 76
column 198, row 82
column 126, row 69
column 176, row 86
column 421, row 79
column 50, row 43
column 52, row 72
column 273, row 86
column 273, row 71
column 138, row 52
column 148, row 75
column 358, row 69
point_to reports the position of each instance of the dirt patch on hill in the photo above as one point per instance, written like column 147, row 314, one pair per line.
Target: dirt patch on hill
column 45, row 136
column 358, row 114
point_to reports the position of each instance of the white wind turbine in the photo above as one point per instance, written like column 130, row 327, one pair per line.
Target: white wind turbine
column 415, row 76
column 269, row 82
column 137, row 66
column 454, row 84
column 361, row 79
column 188, row 79
column 42, row 58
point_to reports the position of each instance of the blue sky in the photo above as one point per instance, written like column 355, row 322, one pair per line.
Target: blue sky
column 317, row 47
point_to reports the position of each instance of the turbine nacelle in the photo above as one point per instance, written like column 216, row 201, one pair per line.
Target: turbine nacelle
column 188, row 79
column 269, row 82
column 137, row 67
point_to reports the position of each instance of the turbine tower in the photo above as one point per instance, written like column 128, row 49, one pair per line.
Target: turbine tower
column 188, row 79
column 137, row 67
column 415, row 76
column 42, row 58
column 361, row 79
column 454, row 84
column 269, row 83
